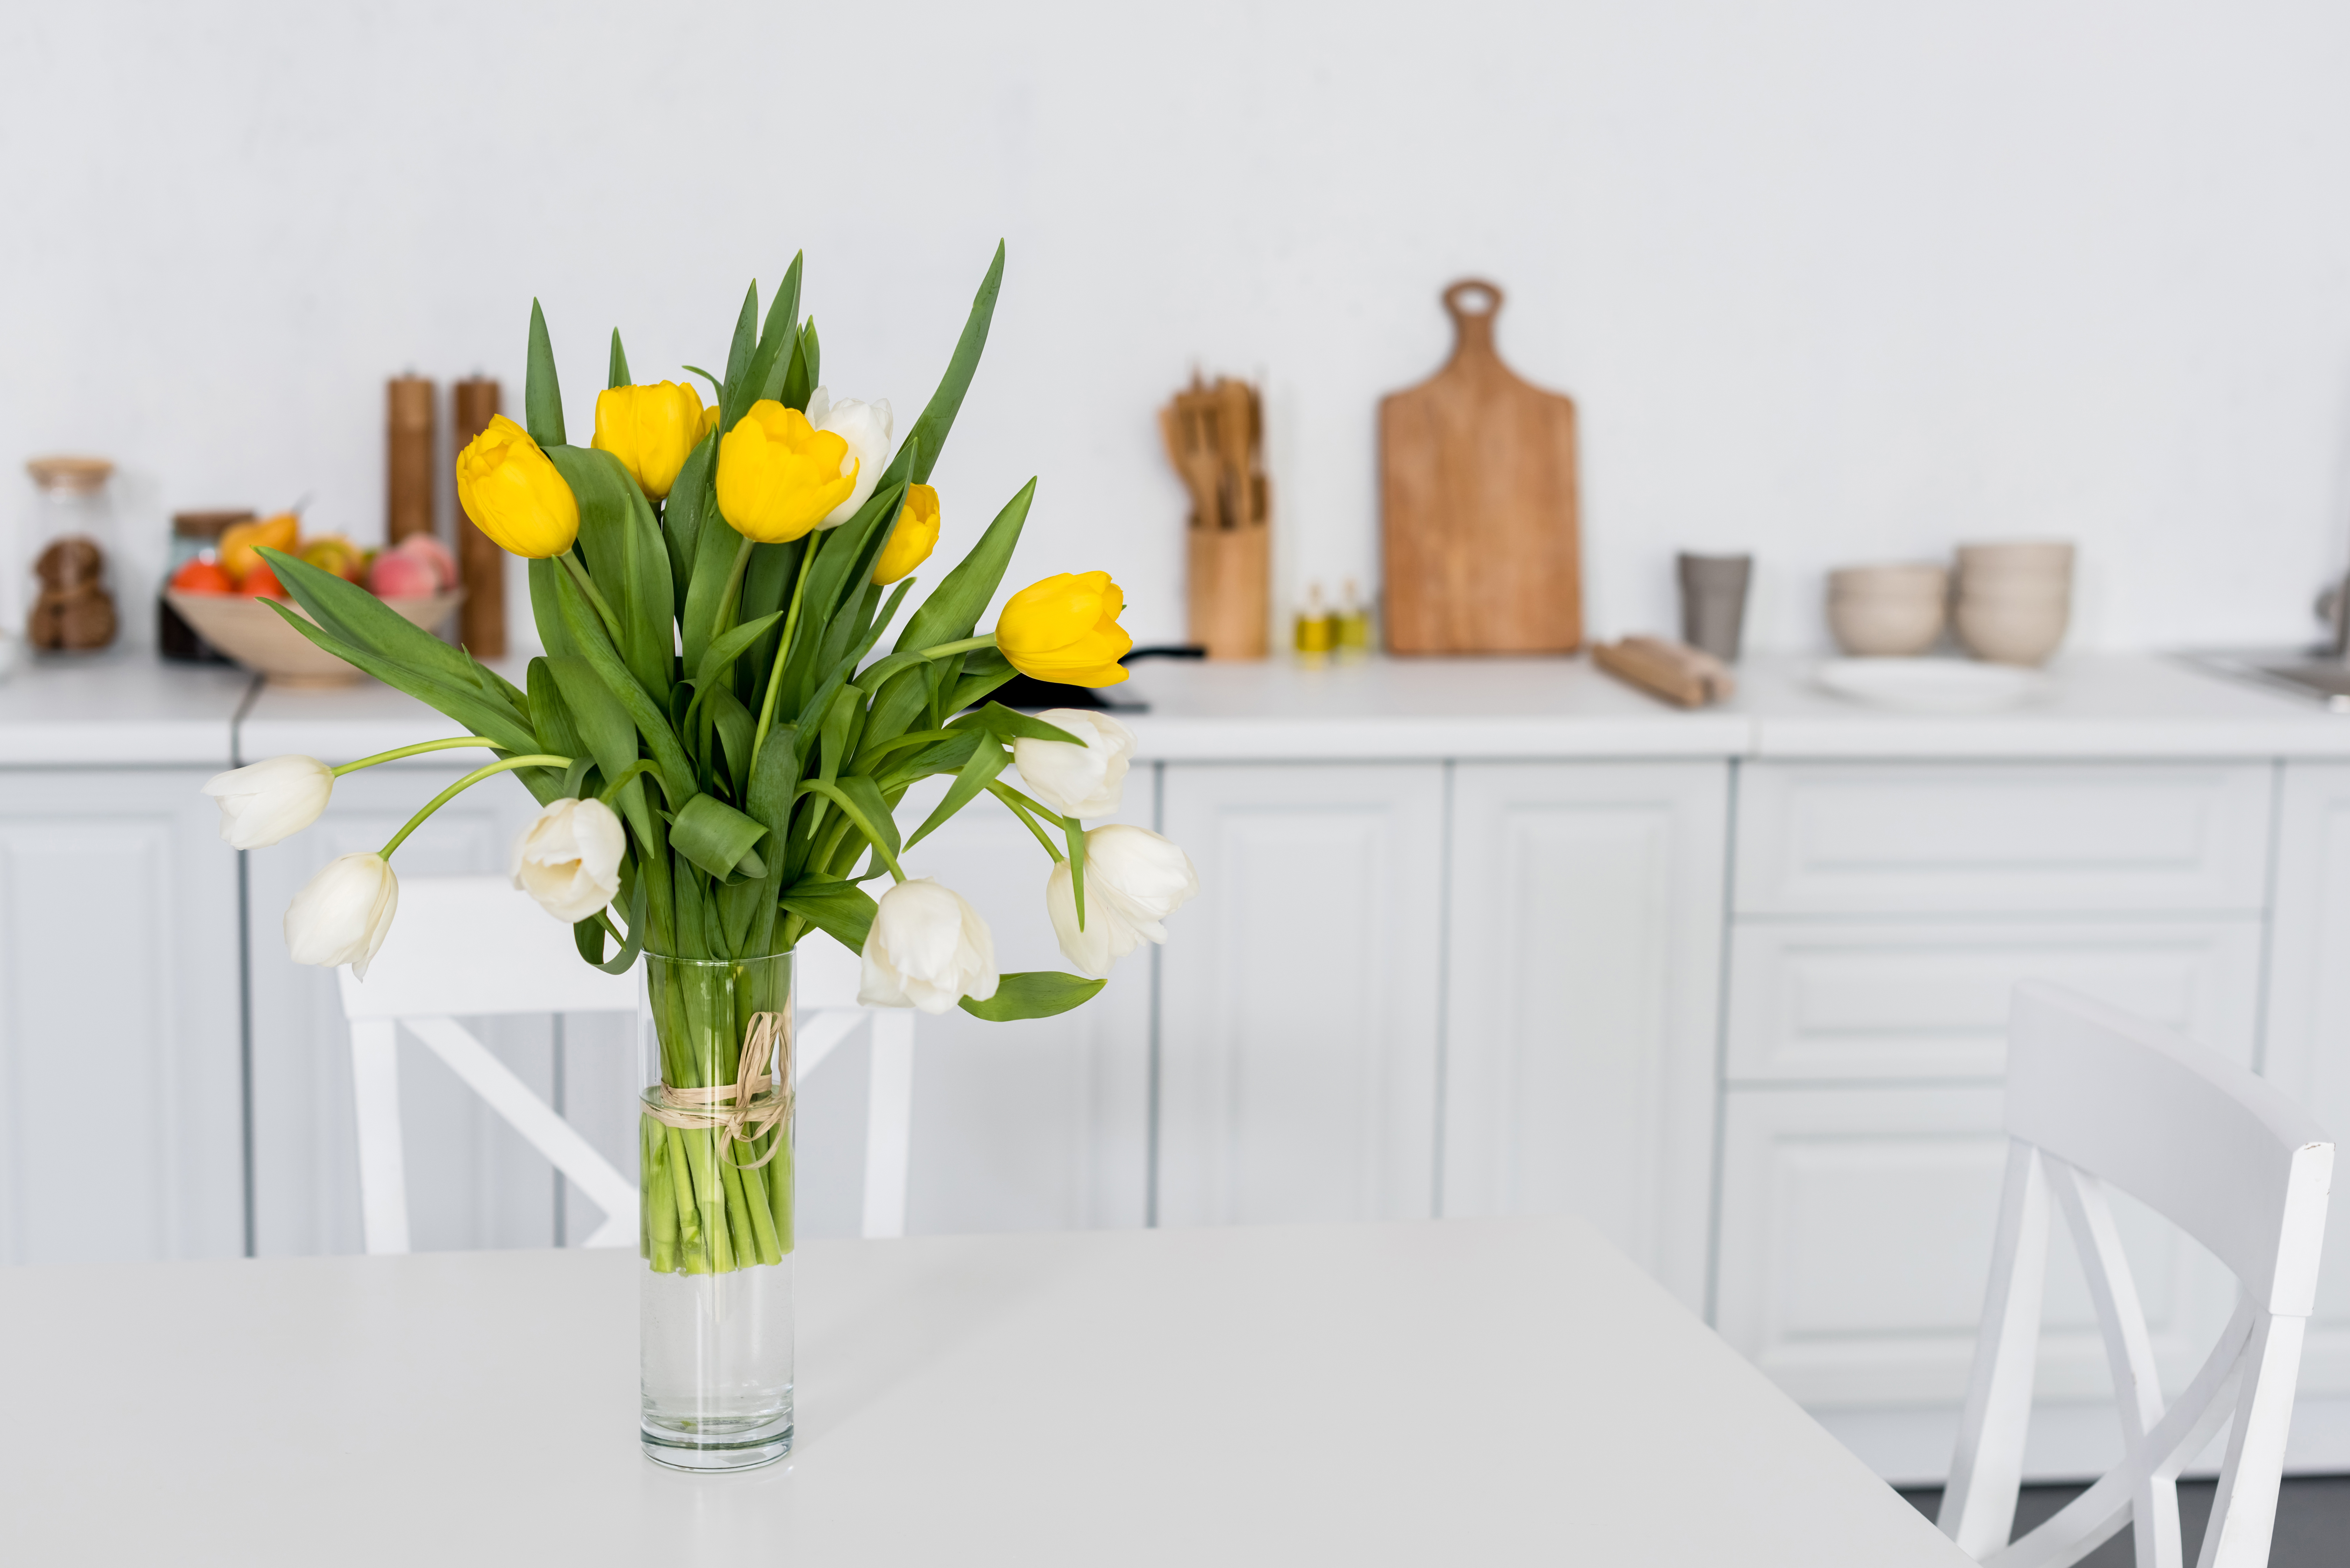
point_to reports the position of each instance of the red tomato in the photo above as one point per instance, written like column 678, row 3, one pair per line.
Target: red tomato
column 261, row 580
column 202, row 577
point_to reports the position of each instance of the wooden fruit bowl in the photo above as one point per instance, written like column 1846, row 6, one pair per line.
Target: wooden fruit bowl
column 252, row 633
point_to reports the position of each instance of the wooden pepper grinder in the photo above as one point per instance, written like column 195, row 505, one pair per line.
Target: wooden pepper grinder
column 408, row 458
column 482, row 620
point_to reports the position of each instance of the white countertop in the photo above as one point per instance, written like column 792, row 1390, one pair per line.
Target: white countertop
column 1478, row 1391
column 130, row 709
column 121, row 707
column 2102, row 706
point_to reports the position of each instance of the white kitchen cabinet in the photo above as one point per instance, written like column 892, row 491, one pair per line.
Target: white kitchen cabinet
column 2308, row 1041
column 1585, row 939
column 1824, row 838
column 1904, row 999
column 1298, row 1014
column 120, row 1127
column 1041, row 1124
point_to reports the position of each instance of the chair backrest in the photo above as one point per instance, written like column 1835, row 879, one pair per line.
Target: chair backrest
column 2096, row 1097
column 472, row 946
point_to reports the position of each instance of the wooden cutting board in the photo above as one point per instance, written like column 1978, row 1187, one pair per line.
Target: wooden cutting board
column 1478, row 502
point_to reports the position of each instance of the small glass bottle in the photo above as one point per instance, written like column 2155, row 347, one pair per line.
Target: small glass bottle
column 1315, row 627
column 1351, row 626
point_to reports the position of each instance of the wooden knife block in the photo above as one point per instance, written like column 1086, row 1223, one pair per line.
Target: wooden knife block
column 1215, row 439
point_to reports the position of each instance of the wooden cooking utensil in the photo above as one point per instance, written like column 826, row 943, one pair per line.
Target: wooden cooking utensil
column 1478, row 502
column 1216, row 439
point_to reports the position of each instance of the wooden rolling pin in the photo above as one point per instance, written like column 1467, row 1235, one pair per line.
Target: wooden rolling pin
column 1672, row 670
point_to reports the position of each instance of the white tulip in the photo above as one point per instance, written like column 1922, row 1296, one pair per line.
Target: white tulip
column 270, row 800
column 866, row 428
column 568, row 859
column 1077, row 780
column 927, row 948
column 342, row 915
column 1134, row 879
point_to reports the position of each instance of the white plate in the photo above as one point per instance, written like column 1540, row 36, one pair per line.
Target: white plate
column 1933, row 685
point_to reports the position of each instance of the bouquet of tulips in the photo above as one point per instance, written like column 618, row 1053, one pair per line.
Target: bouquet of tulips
column 718, row 750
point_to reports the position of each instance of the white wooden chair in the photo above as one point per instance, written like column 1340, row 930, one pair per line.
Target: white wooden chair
column 2095, row 1097
column 473, row 947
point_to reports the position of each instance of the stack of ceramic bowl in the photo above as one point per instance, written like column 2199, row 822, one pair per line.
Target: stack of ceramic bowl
column 1887, row 612
column 2014, row 600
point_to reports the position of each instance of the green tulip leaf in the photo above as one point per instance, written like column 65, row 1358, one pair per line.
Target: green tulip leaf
column 771, row 362
column 1008, row 724
column 720, row 656
column 799, row 375
column 586, row 634
column 542, row 394
column 615, row 373
column 599, row 717
column 550, row 716
column 736, row 728
column 983, row 672
column 1033, row 993
column 841, row 910
column 718, row 838
column 738, row 358
column 368, row 634
column 627, row 559
column 986, row 762
column 589, row 937
column 543, row 601
column 955, row 606
column 692, row 502
column 938, row 416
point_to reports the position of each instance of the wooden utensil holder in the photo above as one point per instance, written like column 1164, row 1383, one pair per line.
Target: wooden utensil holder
column 1215, row 439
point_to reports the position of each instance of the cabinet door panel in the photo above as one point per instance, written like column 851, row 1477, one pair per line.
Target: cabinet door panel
column 1857, row 1229
column 2011, row 837
column 2307, row 1051
column 471, row 1180
column 1035, row 1125
column 1298, row 995
column 1898, row 999
column 121, row 1116
column 1586, row 935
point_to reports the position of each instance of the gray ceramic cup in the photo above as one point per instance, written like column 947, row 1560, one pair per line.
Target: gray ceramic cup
column 1713, row 602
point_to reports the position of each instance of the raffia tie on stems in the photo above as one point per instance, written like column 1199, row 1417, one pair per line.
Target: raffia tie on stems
column 747, row 1107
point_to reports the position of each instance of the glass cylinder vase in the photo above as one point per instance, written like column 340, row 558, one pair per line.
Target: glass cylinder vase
column 715, row 1171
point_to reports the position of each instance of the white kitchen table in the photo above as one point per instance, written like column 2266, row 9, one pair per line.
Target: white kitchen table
column 1454, row 1391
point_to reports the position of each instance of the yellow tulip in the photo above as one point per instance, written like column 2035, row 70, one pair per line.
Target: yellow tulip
column 651, row 430
column 1065, row 628
column 778, row 475
column 512, row 492
column 914, row 537
column 709, row 423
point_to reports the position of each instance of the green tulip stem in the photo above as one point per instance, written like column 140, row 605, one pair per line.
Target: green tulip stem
column 949, row 650
column 417, row 750
column 783, row 655
column 570, row 560
column 1017, row 804
column 468, row 781
column 727, row 600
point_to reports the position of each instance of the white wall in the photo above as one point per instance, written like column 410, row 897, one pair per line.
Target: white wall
column 1833, row 281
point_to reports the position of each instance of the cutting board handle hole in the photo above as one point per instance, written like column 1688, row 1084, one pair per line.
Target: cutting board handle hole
column 1473, row 298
